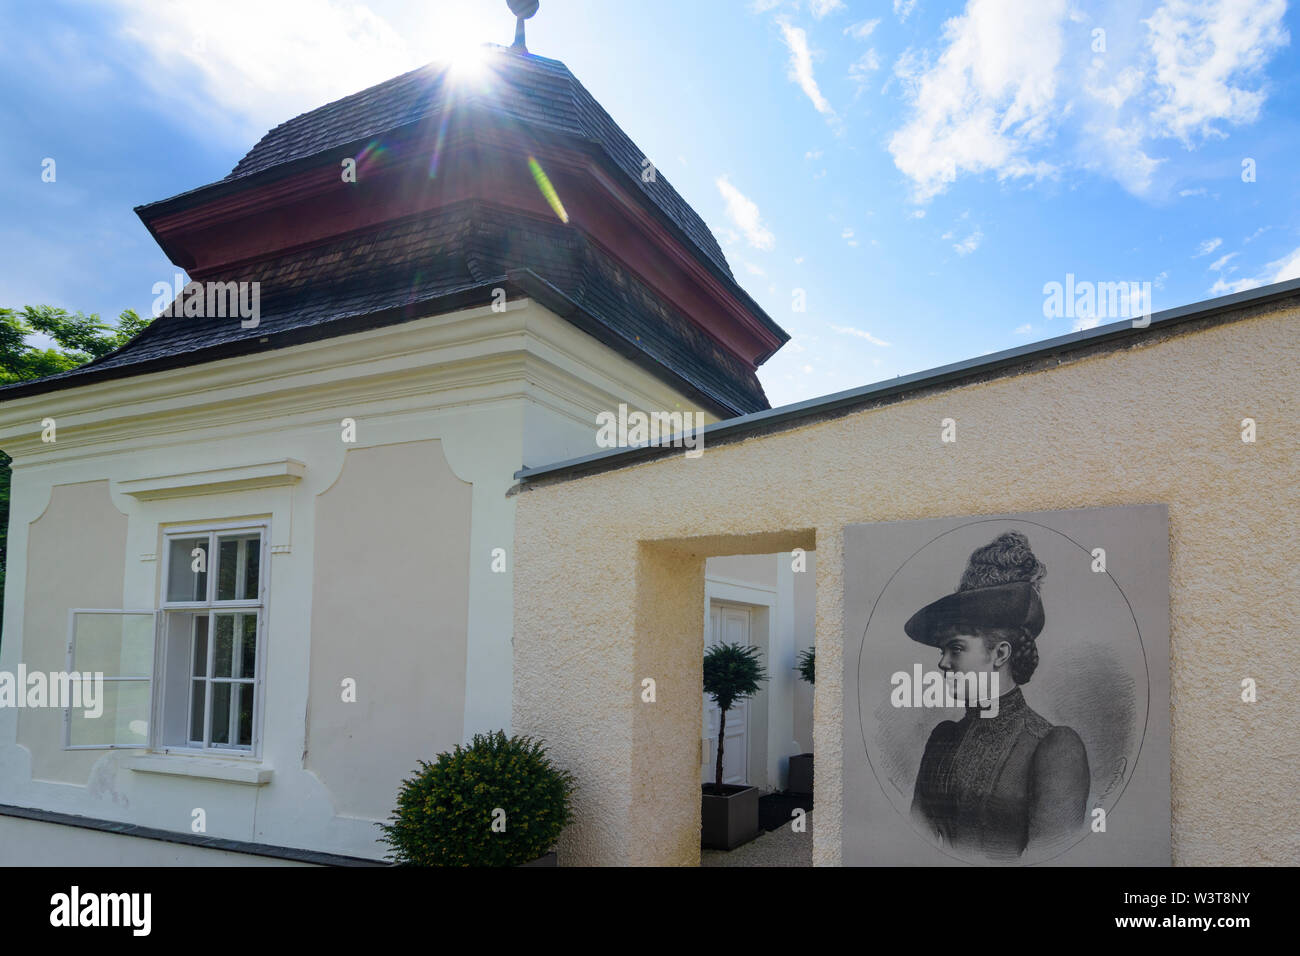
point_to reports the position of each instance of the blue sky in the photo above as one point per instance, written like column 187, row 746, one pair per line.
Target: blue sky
column 920, row 170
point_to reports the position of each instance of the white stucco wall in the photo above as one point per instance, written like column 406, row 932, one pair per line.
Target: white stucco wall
column 35, row 843
column 490, row 390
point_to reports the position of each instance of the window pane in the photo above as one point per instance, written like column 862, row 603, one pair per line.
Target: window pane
column 200, row 667
column 220, row 714
column 224, row 652
column 122, row 721
column 197, row 701
column 244, row 700
column 237, row 567
column 252, row 558
column 115, row 645
column 248, row 646
column 183, row 582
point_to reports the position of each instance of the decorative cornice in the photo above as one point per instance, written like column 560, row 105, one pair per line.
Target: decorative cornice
column 266, row 474
column 474, row 356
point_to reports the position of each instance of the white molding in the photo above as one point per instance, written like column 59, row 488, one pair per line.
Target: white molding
column 265, row 474
column 205, row 768
column 733, row 589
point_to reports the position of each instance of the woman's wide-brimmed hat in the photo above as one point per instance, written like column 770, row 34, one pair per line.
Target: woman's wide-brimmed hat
column 1013, row 605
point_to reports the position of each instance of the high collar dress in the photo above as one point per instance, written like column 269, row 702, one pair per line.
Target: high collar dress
column 996, row 786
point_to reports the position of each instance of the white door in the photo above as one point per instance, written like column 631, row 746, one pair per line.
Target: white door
column 729, row 624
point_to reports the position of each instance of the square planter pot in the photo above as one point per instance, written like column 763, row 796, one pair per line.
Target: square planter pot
column 728, row 819
column 801, row 774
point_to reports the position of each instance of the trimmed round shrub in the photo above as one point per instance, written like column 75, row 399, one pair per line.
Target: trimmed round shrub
column 498, row 802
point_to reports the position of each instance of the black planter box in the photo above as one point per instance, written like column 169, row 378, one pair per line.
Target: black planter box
column 728, row 819
column 801, row 774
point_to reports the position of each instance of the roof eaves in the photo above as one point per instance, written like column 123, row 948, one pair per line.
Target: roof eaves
column 89, row 374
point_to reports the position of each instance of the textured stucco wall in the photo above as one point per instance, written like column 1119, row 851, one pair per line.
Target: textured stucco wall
column 1155, row 422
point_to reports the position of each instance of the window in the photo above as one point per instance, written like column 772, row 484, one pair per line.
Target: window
column 187, row 676
column 118, row 645
column 211, row 635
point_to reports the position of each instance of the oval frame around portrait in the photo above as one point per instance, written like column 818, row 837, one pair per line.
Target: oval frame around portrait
column 1107, row 799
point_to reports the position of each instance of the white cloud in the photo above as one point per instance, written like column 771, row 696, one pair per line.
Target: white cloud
column 849, row 330
column 813, row 154
column 860, row 31
column 860, row 71
column 801, row 66
column 1202, row 49
column 989, row 97
column 1280, row 270
column 1222, row 261
column 1025, row 329
column 823, row 8
column 744, row 215
column 754, row 270
column 1008, row 95
column 1207, row 246
column 231, row 79
column 903, row 9
column 1085, row 322
column 847, row 233
column 969, row 244
column 1199, row 191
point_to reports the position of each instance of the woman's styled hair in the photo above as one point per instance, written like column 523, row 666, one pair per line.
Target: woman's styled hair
column 1008, row 559
column 1024, row 650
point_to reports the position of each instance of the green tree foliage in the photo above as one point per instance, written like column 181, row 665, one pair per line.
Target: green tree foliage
column 731, row 673
column 446, row 810
column 78, row 339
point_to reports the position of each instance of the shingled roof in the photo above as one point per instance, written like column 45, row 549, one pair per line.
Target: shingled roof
column 431, row 264
column 529, row 89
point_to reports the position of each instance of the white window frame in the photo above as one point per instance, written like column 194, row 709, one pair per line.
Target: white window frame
column 213, row 530
column 72, row 645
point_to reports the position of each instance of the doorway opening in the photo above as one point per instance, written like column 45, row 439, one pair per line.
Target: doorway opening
column 766, row 601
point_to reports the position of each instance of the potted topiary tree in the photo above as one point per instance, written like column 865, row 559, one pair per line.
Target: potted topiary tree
column 801, row 765
column 729, row 814
column 498, row 802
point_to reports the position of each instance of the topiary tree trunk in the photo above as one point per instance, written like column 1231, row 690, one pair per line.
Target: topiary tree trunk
column 722, row 730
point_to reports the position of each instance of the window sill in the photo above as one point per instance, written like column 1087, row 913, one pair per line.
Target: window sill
column 207, row 768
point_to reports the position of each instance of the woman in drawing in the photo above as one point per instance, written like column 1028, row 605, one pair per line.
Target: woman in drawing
column 996, row 785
